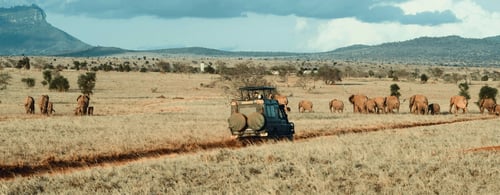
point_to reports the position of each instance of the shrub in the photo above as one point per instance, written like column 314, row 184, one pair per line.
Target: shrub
column 464, row 90
column 484, row 78
column 424, row 78
column 488, row 92
column 47, row 75
column 59, row 83
column 4, row 80
column 30, row 82
column 329, row 75
column 86, row 82
column 395, row 90
column 24, row 63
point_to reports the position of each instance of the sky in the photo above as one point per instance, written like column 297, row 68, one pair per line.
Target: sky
column 265, row 25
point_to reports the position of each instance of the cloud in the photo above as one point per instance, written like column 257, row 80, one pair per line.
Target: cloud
column 474, row 22
column 365, row 10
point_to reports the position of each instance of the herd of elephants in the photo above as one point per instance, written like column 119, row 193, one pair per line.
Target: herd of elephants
column 418, row 104
column 47, row 107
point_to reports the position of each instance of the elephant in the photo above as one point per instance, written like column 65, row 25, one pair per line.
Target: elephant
column 487, row 103
column 83, row 103
column 336, row 106
column 43, row 103
column 50, row 108
column 29, row 105
column 371, row 106
column 282, row 100
column 379, row 104
column 434, row 108
column 391, row 103
column 419, row 104
column 305, row 105
column 358, row 102
column 459, row 102
column 497, row 110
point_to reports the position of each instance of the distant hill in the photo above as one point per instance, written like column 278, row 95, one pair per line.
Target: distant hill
column 24, row 30
column 185, row 51
column 452, row 50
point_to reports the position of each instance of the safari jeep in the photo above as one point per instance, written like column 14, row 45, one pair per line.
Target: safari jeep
column 256, row 114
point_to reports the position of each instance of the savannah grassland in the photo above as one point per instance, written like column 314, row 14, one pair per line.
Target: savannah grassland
column 137, row 112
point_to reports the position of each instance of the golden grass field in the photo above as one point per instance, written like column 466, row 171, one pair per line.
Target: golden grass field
column 180, row 130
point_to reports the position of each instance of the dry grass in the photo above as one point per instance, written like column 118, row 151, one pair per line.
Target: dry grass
column 416, row 160
column 131, row 118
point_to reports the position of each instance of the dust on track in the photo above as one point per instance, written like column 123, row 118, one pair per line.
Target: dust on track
column 53, row 167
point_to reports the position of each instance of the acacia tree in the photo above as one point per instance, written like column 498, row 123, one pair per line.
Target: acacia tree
column 86, row 82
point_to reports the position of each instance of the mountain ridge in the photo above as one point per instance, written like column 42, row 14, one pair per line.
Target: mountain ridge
column 26, row 31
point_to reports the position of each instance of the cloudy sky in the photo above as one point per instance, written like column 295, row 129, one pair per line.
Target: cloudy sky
column 266, row 25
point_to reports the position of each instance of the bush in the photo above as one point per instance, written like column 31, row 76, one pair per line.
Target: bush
column 59, row 83
column 47, row 75
column 86, row 82
column 464, row 90
column 488, row 92
column 30, row 82
column 484, row 78
column 424, row 78
column 395, row 90
column 24, row 63
column 329, row 75
column 4, row 80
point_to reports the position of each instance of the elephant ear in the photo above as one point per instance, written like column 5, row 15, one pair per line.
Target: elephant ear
column 350, row 99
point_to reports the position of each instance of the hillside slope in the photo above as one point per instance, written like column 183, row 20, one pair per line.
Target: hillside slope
column 449, row 49
column 25, row 31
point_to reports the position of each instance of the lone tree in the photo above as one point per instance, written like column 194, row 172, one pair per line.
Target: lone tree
column 488, row 92
column 395, row 90
column 464, row 90
column 86, row 82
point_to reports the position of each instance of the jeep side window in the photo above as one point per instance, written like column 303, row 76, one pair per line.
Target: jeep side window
column 282, row 114
column 271, row 111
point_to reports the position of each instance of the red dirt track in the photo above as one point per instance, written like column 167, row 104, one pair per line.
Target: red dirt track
column 58, row 167
column 481, row 149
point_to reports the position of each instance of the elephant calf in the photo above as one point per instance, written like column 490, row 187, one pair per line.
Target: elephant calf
column 434, row 108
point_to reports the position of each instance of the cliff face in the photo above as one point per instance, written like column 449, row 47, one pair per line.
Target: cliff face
column 29, row 15
column 24, row 30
